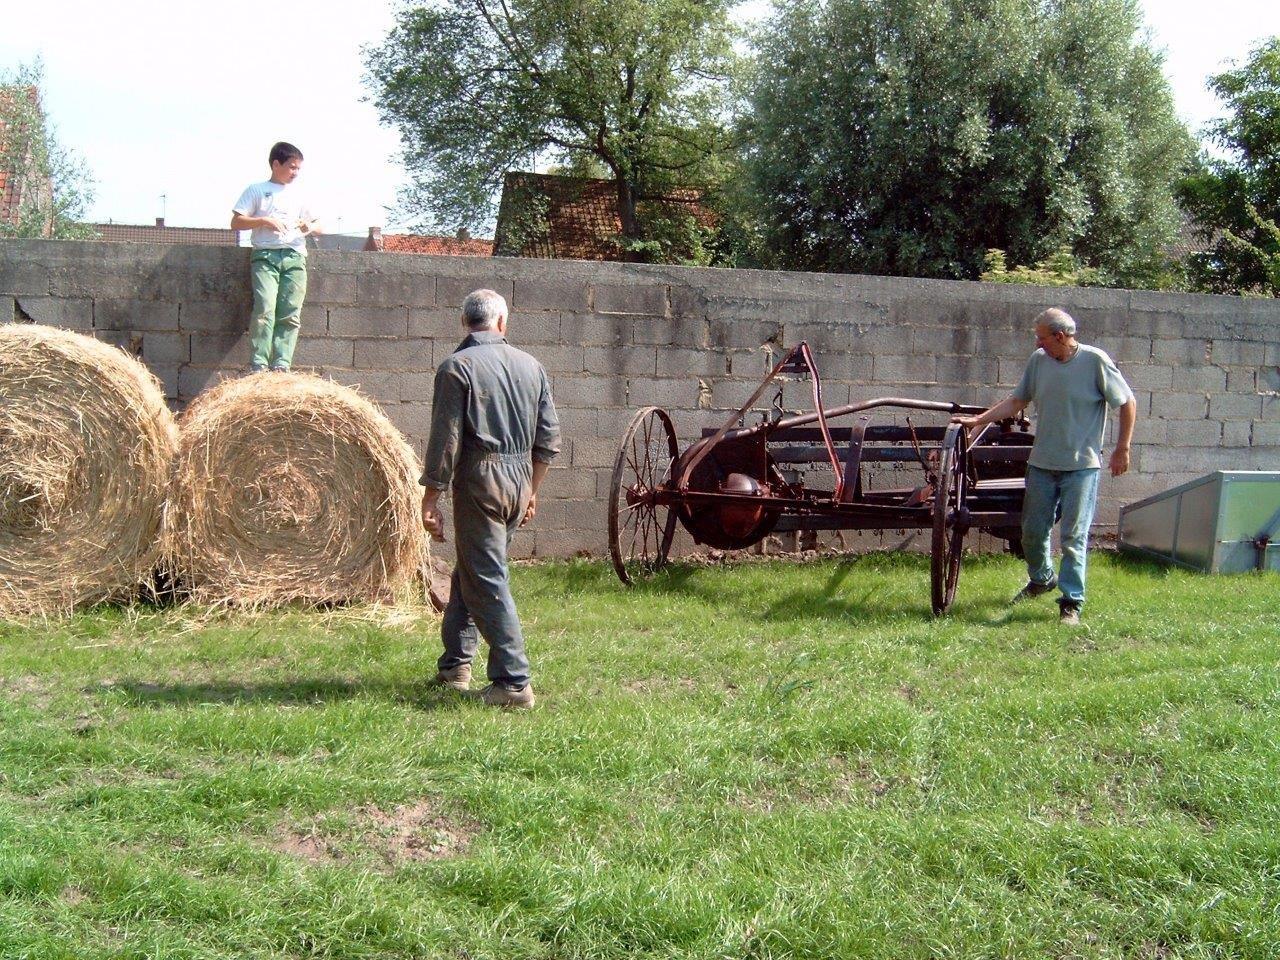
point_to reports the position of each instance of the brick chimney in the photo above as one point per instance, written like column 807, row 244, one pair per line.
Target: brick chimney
column 159, row 221
column 374, row 243
column 464, row 234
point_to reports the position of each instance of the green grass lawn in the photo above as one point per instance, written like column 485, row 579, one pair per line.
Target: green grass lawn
column 771, row 760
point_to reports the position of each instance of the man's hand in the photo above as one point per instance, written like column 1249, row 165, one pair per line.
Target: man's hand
column 968, row 422
column 274, row 224
column 531, row 510
column 1119, row 461
column 432, row 518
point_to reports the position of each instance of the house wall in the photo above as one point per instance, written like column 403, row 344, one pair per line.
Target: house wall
column 615, row 337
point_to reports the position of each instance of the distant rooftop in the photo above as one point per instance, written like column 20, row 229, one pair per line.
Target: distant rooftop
column 160, row 233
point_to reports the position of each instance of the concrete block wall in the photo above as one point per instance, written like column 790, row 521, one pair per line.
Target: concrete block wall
column 615, row 337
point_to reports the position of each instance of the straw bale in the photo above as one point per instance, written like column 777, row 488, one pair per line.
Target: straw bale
column 86, row 444
column 291, row 488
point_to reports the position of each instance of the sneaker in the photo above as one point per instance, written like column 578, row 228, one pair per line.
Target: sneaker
column 1034, row 589
column 456, row 678
column 279, row 369
column 496, row 695
column 1069, row 613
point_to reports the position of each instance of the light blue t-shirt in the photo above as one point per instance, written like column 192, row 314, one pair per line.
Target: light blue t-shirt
column 1071, row 400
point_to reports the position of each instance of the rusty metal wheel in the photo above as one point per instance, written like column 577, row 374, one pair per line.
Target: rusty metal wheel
column 950, row 518
column 640, row 529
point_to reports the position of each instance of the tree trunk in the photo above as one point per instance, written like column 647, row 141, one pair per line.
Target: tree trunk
column 627, row 215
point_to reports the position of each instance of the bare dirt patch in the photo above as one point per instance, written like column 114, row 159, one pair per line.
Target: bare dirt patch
column 410, row 833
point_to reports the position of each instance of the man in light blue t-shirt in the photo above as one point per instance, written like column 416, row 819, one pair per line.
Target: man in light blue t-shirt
column 1071, row 385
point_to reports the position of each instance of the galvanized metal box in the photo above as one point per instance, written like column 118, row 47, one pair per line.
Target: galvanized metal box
column 1215, row 524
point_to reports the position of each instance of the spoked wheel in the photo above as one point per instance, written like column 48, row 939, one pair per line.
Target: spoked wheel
column 640, row 529
column 950, row 518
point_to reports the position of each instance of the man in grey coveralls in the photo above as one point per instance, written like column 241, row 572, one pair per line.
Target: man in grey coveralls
column 494, row 432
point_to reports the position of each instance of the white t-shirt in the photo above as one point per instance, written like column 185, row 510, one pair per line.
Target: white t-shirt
column 283, row 201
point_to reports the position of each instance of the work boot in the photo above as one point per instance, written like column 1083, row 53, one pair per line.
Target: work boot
column 1034, row 589
column 1068, row 612
column 456, row 678
column 496, row 695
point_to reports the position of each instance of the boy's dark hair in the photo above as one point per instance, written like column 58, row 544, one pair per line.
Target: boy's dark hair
column 283, row 152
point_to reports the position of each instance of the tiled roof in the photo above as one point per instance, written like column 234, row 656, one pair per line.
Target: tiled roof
column 147, row 233
column 569, row 218
column 10, row 189
column 437, row 246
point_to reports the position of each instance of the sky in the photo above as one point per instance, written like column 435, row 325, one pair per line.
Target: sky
column 174, row 105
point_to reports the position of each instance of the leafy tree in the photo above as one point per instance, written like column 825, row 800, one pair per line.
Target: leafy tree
column 51, row 185
column 1060, row 269
column 908, row 137
column 480, row 87
column 1233, row 197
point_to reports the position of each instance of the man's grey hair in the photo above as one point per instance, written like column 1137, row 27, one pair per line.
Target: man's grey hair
column 483, row 309
column 1056, row 320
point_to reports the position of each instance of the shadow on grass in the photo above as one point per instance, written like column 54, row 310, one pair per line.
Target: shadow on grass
column 301, row 692
column 846, row 589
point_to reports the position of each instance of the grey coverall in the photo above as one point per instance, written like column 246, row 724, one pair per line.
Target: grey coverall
column 491, row 417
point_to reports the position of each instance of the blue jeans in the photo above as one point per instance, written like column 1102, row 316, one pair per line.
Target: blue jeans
column 1075, row 492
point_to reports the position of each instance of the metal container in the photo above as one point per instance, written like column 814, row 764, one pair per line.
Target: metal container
column 1226, row 522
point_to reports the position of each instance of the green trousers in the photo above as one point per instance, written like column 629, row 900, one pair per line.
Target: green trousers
column 279, row 281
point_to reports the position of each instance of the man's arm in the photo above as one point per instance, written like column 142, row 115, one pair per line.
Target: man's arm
column 240, row 221
column 444, row 446
column 546, row 444
column 1010, row 406
column 1120, row 455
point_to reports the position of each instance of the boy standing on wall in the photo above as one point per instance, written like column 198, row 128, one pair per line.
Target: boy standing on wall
column 277, row 213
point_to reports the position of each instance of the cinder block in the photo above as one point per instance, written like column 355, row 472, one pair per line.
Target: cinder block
column 323, row 352
column 1243, row 353
column 130, row 341
column 1126, row 349
column 1148, row 376
column 576, row 422
column 167, row 374
column 135, row 315
column 913, row 369
column 1235, row 406
column 967, row 370
column 823, row 338
column 332, row 289
column 194, row 380
column 630, row 360
column 1192, row 433
column 20, row 276
column 451, row 291
column 562, row 544
column 411, row 419
column 1179, row 406
column 369, row 321
column 550, row 294
column 566, row 358
column 583, row 391
column 612, row 422
column 215, row 317
column 667, row 332
column 744, row 334
column 590, row 452
column 565, row 483
column 67, row 313
column 646, row 391
column 395, row 289
column 677, row 362
column 224, row 350
column 595, row 329
column 417, row 385
column 1236, row 433
column 414, row 353
column 1265, row 433
column 1241, row 380
column 166, row 348
column 380, row 386
column 631, row 298
column 581, row 515
column 539, row 328
column 438, row 324
column 1181, row 353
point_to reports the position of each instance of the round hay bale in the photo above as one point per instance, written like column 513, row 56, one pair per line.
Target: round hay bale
column 288, row 487
column 86, row 443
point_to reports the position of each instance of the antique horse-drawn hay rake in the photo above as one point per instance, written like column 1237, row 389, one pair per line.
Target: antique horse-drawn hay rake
column 740, row 483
